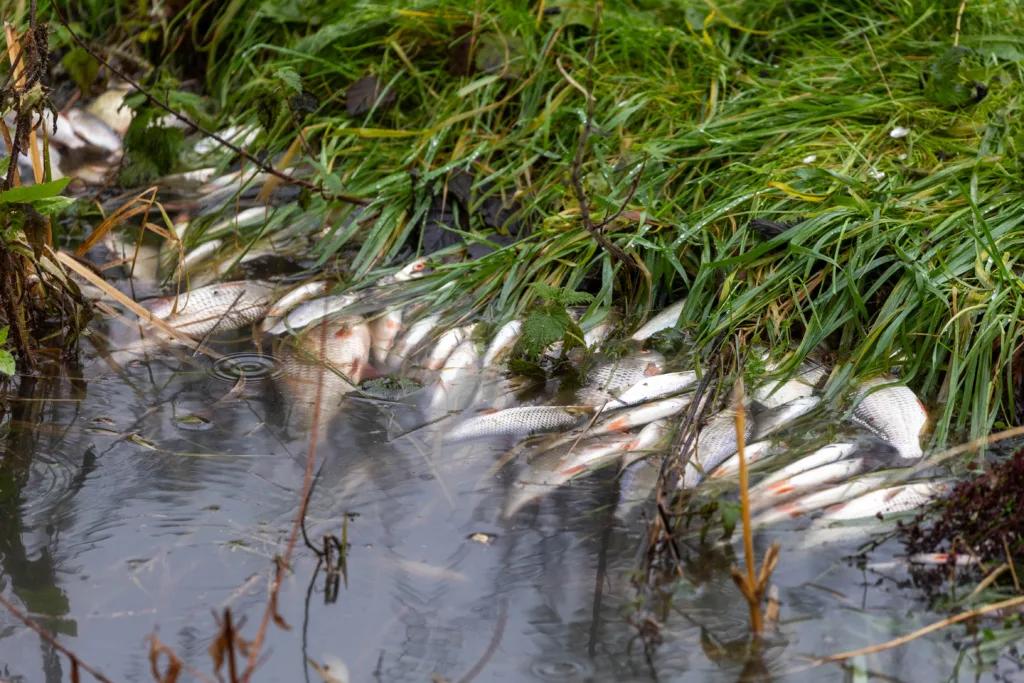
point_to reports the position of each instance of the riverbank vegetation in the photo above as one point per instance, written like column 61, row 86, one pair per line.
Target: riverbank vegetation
column 846, row 173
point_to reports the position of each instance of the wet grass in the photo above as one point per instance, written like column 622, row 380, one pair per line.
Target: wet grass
column 705, row 117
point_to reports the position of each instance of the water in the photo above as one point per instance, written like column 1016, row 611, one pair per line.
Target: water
column 154, row 497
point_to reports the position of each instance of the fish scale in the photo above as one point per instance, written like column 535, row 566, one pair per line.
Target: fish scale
column 889, row 501
column 608, row 378
column 518, row 421
column 894, row 413
column 222, row 307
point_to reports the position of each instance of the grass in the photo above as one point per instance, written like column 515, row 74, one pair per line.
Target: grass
column 780, row 110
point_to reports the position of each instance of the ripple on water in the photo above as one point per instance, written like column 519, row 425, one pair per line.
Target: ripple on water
column 561, row 670
column 252, row 367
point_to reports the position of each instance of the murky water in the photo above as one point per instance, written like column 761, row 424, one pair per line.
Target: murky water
column 153, row 495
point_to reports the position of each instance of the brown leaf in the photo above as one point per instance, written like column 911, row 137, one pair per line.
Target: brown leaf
column 368, row 93
column 156, row 648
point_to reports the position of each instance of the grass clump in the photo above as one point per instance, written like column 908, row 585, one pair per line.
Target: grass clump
column 892, row 133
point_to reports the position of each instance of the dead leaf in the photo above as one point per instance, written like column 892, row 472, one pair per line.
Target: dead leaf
column 368, row 93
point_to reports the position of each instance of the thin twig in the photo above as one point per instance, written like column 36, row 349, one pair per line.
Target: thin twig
column 902, row 640
column 577, row 164
column 49, row 639
column 263, row 166
column 748, row 535
column 499, row 631
column 959, row 18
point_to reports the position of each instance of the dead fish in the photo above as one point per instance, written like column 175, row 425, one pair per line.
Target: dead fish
column 551, row 469
column 894, row 413
column 407, row 344
column 651, row 388
column 108, row 107
column 889, row 501
column 503, row 341
column 445, row 345
column 95, row 132
column 823, row 456
column 199, row 255
column 775, row 392
column 246, row 218
column 313, row 311
column 757, row 452
column 595, row 336
column 636, row 484
column 344, row 346
column 805, row 505
column 715, row 448
column 457, row 380
column 221, row 307
column 608, row 378
column 519, row 421
column 242, row 136
column 389, row 388
column 383, row 331
column 643, row 414
column 294, row 297
column 662, row 321
column 768, row 494
column 412, row 271
column 650, row 438
column 715, row 443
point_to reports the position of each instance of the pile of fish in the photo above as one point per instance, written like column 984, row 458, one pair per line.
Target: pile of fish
column 625, row 414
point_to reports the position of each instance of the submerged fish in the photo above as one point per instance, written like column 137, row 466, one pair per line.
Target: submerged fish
column 456, row 383
column 221, row 307
column 313, row 311
column 823, row 456
column 662, row 321
column 344, row 347
column 294, row 297
column 640, row 415
column 821, row 499
column 384, row 329
column 636, row 483
column 894, row 413
column 407, row 344
column 767, row 494
column 94, row 131
column 651, row 388
column 504, row 340
column 518, row 421
column 551, row 469
column 889, row 501
column 759, row 451
column 445, row 345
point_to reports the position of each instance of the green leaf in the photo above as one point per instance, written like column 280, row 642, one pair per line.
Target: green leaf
column 51, row 205
column 150, row 151
column 542, row 327
column 6, row 363
column 33, row 192
column 290, row 78
column 81, row 67
column 561, row 297
column 730, row 515
column 3, row 334
column 5, row 163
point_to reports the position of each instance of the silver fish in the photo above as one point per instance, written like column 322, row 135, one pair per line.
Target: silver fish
column 108, row 107
column 243, row 219
column 294, row 297
column 599, row 333
column 651, row 437
column 407, row 344
column 615, row 376
column 345, row 356
column 456, row 382
column 383, row 331
column 243, row 136
column 715, row 443
column 221, row 307
column 413, row 270
column 651, row 388
column 662, row 321
column 313, row 311
column 889, row 501
column 551, row 469
column 894, row 413
column 94, row 131
column 820, row 499
column 445, row 345
column 643, row 414
column 768, row 494
column 636, row 484
column 771, row 421
column 518, row 421
column 200, row 254
column 503, row 342
column 775, row 392
column 823, row 456
column 757, row 452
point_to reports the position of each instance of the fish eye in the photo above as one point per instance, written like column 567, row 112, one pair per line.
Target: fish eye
column 419, row 266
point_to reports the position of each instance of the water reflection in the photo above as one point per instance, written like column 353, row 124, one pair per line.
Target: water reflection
column 119, row 514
